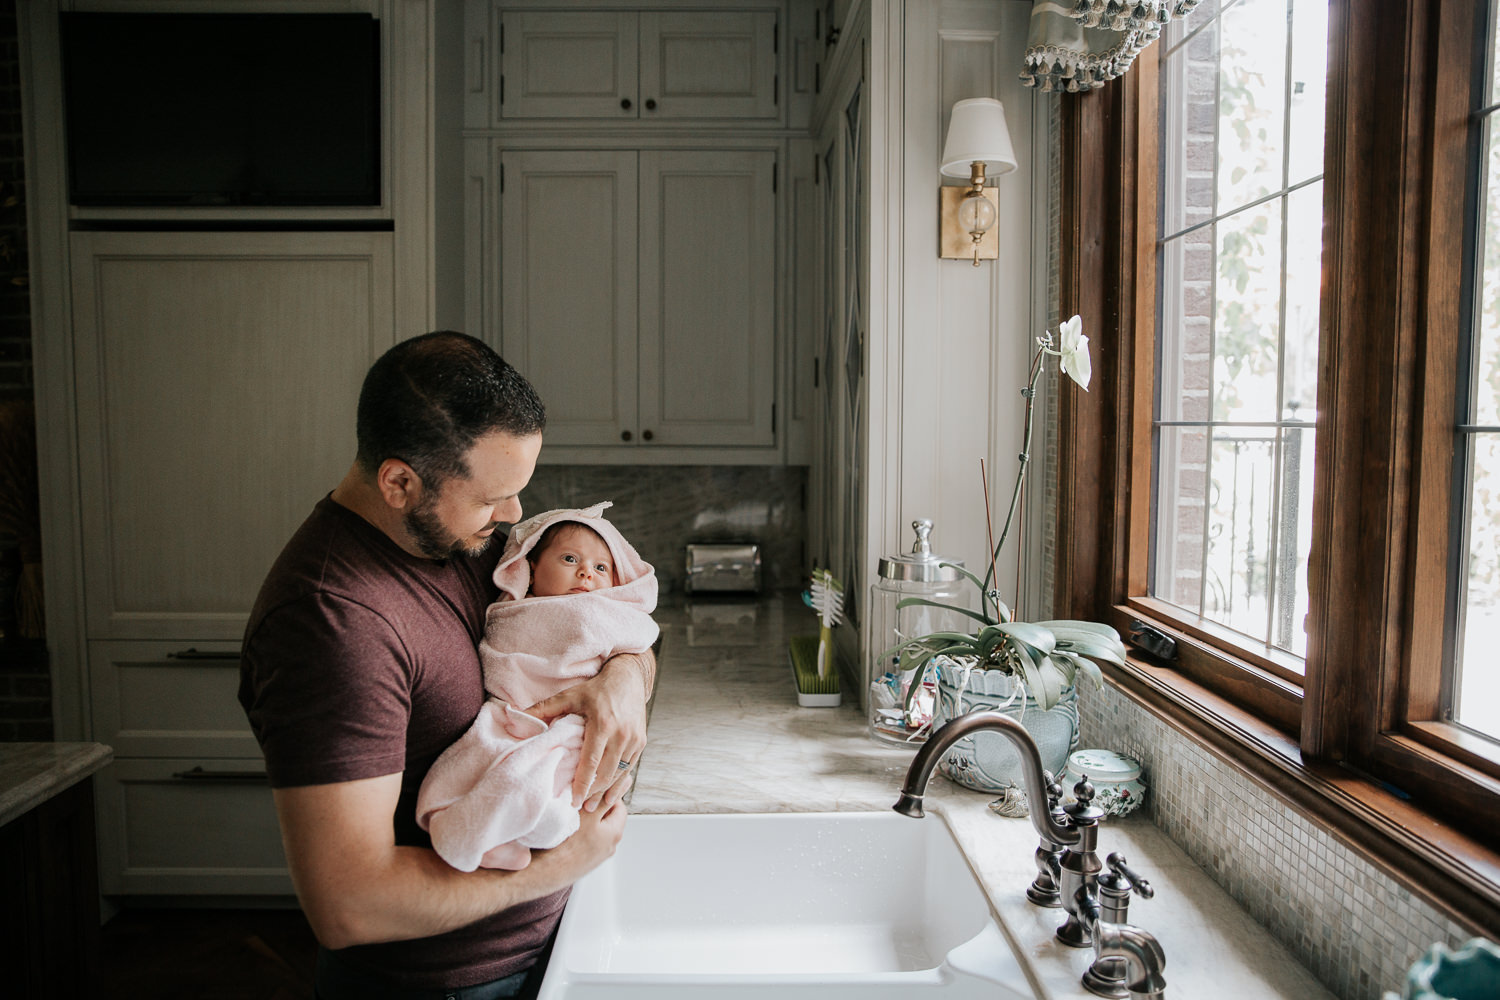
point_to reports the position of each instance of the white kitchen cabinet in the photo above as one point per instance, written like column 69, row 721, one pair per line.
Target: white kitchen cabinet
column 183, row 341
column 216, row 378
column 639, row 295
column 622, row 65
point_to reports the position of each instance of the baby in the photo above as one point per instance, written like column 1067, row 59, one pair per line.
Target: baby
column 573, row 594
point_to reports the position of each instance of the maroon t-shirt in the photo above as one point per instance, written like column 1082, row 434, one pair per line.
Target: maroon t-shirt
column 360, row 660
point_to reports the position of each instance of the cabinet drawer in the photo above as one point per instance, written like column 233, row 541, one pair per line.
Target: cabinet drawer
column 157, row 699
column 189, row 826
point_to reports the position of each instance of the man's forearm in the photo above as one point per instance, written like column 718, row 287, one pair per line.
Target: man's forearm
column 356, row 887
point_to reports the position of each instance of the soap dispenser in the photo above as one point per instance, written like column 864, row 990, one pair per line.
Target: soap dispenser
column 919, row 573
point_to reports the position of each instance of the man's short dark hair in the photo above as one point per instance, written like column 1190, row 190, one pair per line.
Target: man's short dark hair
column 428, row 399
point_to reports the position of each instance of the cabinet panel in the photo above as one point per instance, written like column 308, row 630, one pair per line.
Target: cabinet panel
column 708, row 297
column 677, row 64
column 569, row 301
column 708, row 65
column 575, row 64
column 165, row 828
column 217, row 377
column 169, row 700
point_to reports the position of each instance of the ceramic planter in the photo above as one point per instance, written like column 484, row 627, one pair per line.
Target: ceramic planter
column 987, row 762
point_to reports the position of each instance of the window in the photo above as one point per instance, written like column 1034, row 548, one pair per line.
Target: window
column 1241, row 138
column 1472, row 691
column 1290, row 462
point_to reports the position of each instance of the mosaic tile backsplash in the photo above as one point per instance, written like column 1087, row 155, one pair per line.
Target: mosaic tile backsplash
column 1353, row 925
column 661, row 508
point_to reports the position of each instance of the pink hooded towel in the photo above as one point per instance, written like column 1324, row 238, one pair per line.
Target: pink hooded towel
column 505, row 787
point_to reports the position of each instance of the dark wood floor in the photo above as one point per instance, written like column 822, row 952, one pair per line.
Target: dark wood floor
column 148, row 954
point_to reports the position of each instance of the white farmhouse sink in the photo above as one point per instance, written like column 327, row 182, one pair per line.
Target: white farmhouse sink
column 812, row 905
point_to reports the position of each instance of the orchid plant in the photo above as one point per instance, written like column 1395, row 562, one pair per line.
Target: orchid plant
column 1044, row 657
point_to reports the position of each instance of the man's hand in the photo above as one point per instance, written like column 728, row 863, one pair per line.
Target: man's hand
column 613, row 706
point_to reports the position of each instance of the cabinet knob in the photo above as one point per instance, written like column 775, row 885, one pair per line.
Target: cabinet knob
column 624, row 435
column 646, row 435
column 650, row 104
column 625, row 103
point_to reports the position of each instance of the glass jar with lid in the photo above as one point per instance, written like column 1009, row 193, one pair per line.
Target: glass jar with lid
column 919, row 573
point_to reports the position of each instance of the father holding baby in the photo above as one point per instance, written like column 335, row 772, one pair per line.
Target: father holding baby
column 361, row 666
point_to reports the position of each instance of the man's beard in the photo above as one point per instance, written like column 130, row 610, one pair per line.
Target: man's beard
column 431, row 537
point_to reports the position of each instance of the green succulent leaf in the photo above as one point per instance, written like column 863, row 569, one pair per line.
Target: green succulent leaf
column 1056, row 675
column 1075, row 625
column 1075, row 664
column 1095, row 650
column 1039, row 637
column 1030, row 673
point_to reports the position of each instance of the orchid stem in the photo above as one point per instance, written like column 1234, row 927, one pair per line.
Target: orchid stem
column 989, row 531
column 1025, row 457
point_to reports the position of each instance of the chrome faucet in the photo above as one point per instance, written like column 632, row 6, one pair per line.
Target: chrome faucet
column 1127, row 960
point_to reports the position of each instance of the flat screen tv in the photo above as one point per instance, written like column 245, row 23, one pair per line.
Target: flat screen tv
column 175, row 109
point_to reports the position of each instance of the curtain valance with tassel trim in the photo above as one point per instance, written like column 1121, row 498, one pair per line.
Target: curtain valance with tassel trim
column 1076, row 45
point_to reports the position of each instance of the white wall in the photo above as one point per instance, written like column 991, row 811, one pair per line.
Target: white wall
column 947, row 366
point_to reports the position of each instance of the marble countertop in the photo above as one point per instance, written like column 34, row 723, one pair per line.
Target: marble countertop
column 727, row 735
column 31, row 773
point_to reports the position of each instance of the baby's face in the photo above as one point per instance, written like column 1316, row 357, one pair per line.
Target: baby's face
column 575, row 561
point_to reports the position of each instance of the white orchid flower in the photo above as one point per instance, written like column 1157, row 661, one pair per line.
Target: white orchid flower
column 1073, row 349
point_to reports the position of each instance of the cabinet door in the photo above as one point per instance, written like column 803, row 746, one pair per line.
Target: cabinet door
column 216, row 381
column 568, row 312
column 708, row 65
column 708, row 297
column 572, row 64
column 189, row 827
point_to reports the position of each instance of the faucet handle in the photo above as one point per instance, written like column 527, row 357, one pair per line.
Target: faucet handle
column 1083, row 812
column 1121, row 869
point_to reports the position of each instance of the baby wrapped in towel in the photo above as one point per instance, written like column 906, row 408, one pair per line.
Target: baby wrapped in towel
column 573, row 594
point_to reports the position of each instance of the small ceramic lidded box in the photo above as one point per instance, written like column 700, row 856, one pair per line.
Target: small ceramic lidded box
column 1118, row 788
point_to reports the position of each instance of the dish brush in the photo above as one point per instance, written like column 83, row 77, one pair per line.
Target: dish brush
column 813, row 658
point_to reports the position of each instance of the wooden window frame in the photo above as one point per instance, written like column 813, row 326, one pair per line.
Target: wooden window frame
column 1394, row 197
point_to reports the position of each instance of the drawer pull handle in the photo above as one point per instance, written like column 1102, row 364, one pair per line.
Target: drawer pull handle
column 237, row 777
column 201, row 654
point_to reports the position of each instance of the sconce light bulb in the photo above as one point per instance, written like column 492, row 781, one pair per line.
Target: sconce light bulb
column 976, row 214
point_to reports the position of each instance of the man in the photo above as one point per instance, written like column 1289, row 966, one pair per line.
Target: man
column 360, row 667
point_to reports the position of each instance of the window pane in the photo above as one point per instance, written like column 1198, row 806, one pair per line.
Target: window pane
column 1486, row 360
column 1189, row 123
column 1187, row 298
column 1252, row 101
column 1182, row 476
column 1247, row 315
column 1476, row 694
column 1237, row 363
column 1304, row 285
column 1494, row 74
column 1309, row 91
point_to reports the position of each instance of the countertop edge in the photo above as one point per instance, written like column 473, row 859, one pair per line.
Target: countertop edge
column 32, row 773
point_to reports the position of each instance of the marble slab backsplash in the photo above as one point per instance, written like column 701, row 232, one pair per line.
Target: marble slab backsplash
column 661, row 508
column 1351, row 923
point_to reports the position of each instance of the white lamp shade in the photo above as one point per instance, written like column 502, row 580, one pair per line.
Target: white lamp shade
column 977, row 131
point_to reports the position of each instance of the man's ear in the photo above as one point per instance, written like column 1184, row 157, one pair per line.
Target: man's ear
column 398, row 483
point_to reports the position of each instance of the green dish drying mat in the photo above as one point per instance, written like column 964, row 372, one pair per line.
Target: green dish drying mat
column 804, row 651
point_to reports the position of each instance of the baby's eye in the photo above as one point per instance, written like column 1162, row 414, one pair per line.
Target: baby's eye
column 602, row 568
column 569, row 558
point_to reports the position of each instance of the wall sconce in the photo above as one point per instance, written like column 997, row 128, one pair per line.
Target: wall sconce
column 978, row 147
